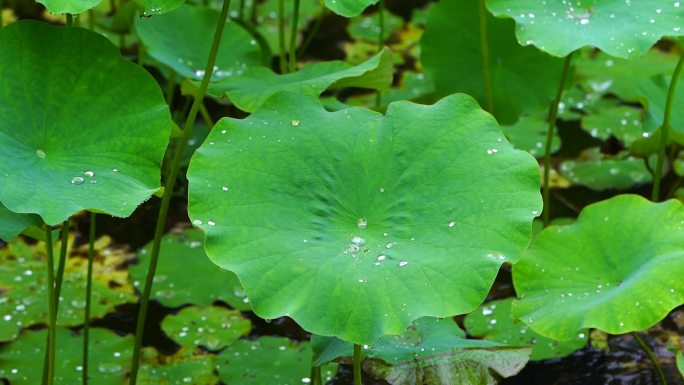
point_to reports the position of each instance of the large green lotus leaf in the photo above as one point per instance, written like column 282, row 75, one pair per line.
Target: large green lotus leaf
column 432, row 352
column 21, row 361
column 12, row 224
column 97, row 128
column 157, row 7
column 69, row 6
column 625, row 123
column 183, row 368
column 493, row 321
column 330, row 229
column 268, row 360
column 601, row 73
column 599, row 172
column 625, row 29
column 186, row 49
column 23, row 284
column 367, row 27
column 529, row 134
column 349, row 8
column 257, row 84
column 617, row 269
column 524, row 79
column 182, row 260
column 212, row 327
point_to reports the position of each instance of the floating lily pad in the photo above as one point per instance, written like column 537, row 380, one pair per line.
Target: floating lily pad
column 617, row 269
column 601, row 73
column 183, row 368
column 109, row 356
column 257, row 84
column 349, row 8
column 524, row 79
column 432, row 352
column 211, row 327
column 622, row 122
column 12, row 224
column 529, row 134
column 330, row 230
column 600, row 172
column 268, row 360
column 23, row 283
column 186, row 49
column 367, row 27
column 69, row 6
column 181, row 262
column 52, row 165
column 625, row 29
column 493, row 321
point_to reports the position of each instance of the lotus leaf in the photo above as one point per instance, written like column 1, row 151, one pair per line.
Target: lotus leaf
column 211, row 327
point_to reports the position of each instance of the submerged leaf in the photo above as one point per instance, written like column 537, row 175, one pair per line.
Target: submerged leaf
column 88, row 133
column 618, row 268
column 599, row 172
column 182, row 261
column 183, row 368
column 330, row 229
column 625, row 29
column 524, row 79
column 211, row 327
column 529, row 134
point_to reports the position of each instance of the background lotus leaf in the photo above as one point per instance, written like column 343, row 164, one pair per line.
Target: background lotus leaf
column 97, row 130
column 625, row 29
column 69, row 6
column 211, row 327
column 330, row 229
column 618, row 269
column 12, row 224
column 349, row 8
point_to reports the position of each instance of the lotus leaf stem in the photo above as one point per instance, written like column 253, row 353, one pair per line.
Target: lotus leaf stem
column 316, row 378
column 381, row 43
column 484, row 53
column 64, row 243
column 553, row 116
column 293, row 36
column 168, row 190
column 89, row 291
column 314, row 31
column 49, row 373
column 665, row 130
column 357, row 363
column 281, row 36
column 651, row 356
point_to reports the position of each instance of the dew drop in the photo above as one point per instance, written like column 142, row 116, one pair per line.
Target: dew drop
column 358, row 241
column 40, row 153
column 89, row 174
column 224, row 188
column 451, row 224
column 295, row 122
column 381, row 257
column 403, row 263
column 492, row 151
column 211, row 223
column 197, row 222
column 77, row 180
column 362, row 223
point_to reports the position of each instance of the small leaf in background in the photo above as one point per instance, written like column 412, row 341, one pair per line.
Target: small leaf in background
column 524, row 79
column 186, row 49
column 268, row 360
column 212, row 327
column 604, row 74
column 432, row 352
column 529, row 134
column 103, row 129
column 333, row 215
column 493, row 321
column 182, row 262
column 624, row 123
column 12, row 224
column 625, row 29
column 617, row 269
column 680, row 363
column 412, row 86
column 349, row 8
column 257, row 84
column 182, row 368
column 653, row 94
column 600, row 172
column 367, row 27
column 69, row 6
column 109, row 354
column 23, row 283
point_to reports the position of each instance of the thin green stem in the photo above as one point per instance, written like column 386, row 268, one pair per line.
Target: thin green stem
column 89, row 290
column 553, row 115
column 69, row 19
column 253, row 16
column 168, row 191
column 651, row 356
column 484, row 53
column 205, row 115
column 314, row 31
column 293, row 36
column 665, row 129
column 142, row 52
column 171, row 88
column 61, row 263
column 381, row 43
column 316, row 378
column 91, row 20
column 52, row 309
column 357, row 365
column 241, row 10
column 281, row 36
